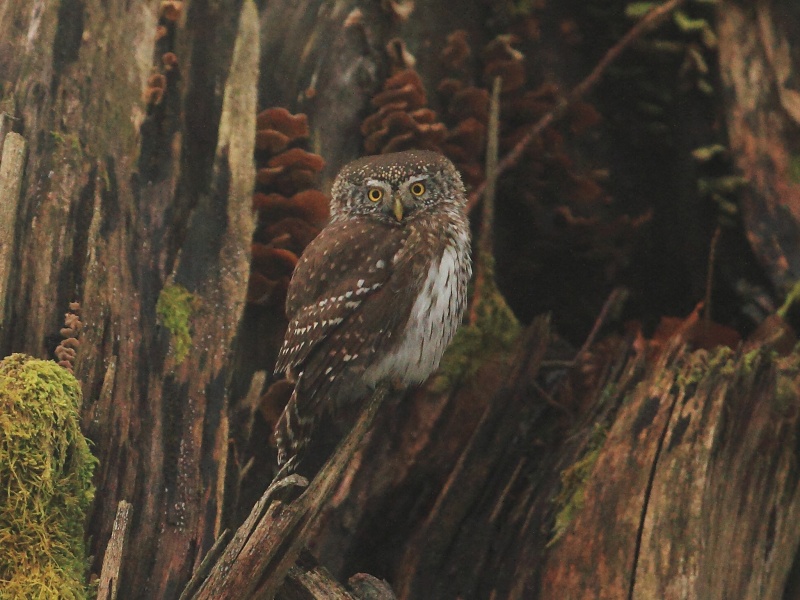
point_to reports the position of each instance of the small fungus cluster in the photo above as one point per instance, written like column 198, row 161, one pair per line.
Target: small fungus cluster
column 166, row 73
column 160, row 81
column 402, row 119
column 67, row 350
column 161, row 97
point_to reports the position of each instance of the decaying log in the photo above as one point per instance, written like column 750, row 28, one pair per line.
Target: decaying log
column 140, row 210
column 312, row 583
column 307, row 580
column 694, row 492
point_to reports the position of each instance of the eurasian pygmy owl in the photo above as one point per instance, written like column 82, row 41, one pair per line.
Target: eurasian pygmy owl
column 380, row 292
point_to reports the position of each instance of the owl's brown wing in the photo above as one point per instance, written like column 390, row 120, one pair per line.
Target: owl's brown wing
column 338, row 369
column 344, row 265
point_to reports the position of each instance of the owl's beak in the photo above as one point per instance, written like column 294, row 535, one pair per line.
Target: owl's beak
column 398, row 209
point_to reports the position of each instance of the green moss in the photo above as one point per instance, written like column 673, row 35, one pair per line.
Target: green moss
column 571, row 498
column 720, row 360
column 45, row 481
column 755, row 358
column 70, row 146
column 636, row 10
column 494, row 333
column 689, row 25
column 174, row 309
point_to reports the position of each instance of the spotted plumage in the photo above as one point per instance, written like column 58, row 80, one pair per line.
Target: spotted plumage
column 380, row 292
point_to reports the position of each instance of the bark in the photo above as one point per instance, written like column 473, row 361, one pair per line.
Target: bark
column 697, row 465
column 758, row 59
column 121, row 201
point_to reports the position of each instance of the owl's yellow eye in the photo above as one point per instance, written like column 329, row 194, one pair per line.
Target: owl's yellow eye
column 417, row 189
column 375, row 194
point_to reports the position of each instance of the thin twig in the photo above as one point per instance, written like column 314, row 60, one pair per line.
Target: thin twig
column 615, row 298
column 648, row 22
column 485, row 244
column 712, row 259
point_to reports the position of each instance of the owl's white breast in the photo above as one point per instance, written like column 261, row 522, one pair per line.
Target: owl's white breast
column 434, row 318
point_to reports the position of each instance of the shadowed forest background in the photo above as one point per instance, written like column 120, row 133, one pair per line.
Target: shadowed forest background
column 617, row 418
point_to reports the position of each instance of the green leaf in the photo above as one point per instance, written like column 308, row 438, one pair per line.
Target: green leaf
column 687, row 24
column 706, row 153
column 636, row 10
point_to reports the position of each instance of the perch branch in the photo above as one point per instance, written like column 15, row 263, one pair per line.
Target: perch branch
column 651, row 20
column 268, row 543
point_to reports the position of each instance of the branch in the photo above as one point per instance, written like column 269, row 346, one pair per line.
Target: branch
column 269, row 542
column 485, row 243
column 651, row 20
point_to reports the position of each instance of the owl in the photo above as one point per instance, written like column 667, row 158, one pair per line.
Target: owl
column 379, row 293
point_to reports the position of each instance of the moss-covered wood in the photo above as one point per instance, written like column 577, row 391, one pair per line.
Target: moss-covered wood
column 46, row 490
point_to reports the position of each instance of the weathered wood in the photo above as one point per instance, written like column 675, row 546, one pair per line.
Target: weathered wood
column 758, row 60
column 125, row 200
column 267, row 545
column 108, row 587
column 314, row 584
column 308, row 580
column 486, row 458
column 213, row 265
column 698, row 464
column 12, row 166
column 367, row 587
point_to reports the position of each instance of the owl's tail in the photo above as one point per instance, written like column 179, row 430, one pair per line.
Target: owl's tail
column 292, row 434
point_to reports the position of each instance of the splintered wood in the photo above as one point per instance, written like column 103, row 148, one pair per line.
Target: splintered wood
column 12, row 166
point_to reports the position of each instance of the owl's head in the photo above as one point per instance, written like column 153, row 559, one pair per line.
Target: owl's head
column 397, row 187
